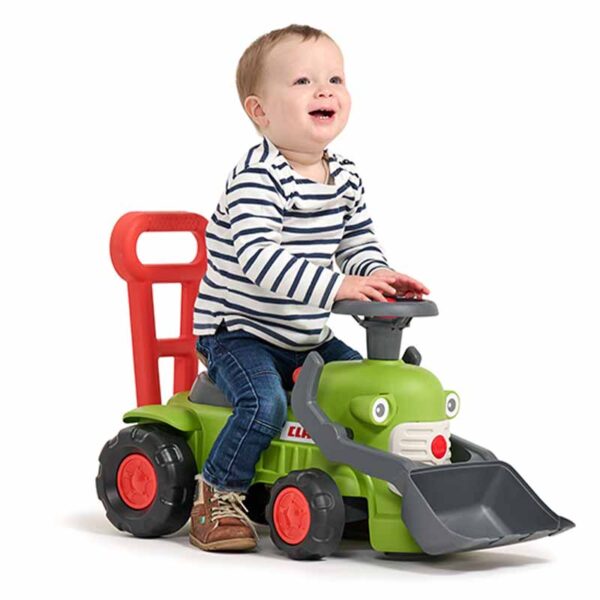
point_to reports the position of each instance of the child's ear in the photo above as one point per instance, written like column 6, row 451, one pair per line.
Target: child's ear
column 252, row 106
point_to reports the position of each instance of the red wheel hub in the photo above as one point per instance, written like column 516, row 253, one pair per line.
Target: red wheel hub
column 136, row 481
column 291, row 515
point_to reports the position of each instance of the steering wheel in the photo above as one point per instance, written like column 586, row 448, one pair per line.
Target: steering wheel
column 384, row 321
column 394, row 307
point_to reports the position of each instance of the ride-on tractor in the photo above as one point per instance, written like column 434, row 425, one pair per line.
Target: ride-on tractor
column 366, row 447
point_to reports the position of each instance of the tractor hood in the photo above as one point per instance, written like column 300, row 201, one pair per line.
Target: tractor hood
column 391, row 406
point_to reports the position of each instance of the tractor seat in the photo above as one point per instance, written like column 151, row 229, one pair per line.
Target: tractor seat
column 205, row 391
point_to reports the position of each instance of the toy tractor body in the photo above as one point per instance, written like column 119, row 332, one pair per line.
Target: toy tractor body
column 366, row 446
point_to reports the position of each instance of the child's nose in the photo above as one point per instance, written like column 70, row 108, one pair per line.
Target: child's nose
column 324, row 91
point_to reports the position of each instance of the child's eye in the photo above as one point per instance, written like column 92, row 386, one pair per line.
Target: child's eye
column 336, row 77
column 301, row 79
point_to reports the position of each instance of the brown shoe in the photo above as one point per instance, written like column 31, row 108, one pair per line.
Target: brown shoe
column 218, row 520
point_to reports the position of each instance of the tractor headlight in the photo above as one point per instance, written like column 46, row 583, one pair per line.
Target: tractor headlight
column 373, row 410
column 380, row 410
column 452, row 404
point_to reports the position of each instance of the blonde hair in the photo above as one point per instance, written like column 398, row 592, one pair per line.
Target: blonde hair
column 250, row 69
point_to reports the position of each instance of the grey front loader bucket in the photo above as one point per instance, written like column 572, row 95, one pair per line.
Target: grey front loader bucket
column 474, row 505
column 478, row 503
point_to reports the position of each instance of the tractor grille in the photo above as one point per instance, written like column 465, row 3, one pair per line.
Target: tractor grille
column 413, row 440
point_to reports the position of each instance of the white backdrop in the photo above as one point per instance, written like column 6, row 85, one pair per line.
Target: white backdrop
column 486, row 116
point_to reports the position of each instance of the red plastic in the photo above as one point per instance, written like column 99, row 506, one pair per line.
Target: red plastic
column 296, row 373
column 439, row 446
column 139, row 277
column 136, row 481
column 291, row 515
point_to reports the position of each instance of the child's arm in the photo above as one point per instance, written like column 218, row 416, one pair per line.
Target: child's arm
column 359, row 253
column 255, row 207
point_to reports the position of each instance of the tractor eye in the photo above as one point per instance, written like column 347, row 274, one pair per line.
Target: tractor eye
column 380, row 410
column 452, row 404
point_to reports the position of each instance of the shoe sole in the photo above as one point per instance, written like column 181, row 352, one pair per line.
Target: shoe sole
column 221, row 545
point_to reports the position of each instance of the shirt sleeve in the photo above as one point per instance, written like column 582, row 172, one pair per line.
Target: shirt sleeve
column 359, row 252
column 255, row 203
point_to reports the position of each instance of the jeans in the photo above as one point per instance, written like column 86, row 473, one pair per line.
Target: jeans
column 253, row 374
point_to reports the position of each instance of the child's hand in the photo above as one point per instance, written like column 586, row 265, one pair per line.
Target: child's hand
column 357, row 287
column 405, row 286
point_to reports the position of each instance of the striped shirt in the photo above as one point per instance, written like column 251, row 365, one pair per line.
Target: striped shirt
column 271, row 245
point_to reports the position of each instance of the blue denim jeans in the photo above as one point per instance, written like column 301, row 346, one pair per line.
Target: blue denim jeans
column 254, row 375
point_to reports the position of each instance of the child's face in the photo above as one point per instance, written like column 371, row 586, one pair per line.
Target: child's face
column 299, row 77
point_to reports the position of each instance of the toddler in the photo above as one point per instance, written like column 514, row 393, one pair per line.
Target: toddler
column 289, row 209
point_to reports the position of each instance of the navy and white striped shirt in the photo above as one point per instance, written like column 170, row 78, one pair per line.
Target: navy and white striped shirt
column 271, row 245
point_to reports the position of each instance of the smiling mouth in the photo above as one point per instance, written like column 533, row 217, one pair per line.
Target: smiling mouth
column 322, row 114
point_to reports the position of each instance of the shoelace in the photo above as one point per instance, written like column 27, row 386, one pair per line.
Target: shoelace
column 231, row 504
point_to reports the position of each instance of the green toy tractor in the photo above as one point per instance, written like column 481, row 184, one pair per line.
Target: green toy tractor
column 366, row 449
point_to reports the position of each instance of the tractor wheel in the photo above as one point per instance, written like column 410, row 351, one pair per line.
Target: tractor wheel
column 306, row 514
column 146, row 480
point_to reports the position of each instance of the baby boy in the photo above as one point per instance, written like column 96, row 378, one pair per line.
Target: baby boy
column 289, row 210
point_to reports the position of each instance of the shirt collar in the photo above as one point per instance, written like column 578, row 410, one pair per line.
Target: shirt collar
column 273, row 151
column 308, row 195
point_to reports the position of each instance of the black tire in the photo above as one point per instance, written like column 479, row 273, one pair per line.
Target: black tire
column 326, row 509
column 174, row 469
column 257, row 498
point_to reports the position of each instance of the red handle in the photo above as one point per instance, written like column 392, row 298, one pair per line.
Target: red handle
column 139, row 277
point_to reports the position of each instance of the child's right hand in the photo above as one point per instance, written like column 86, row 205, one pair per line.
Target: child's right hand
column 357, row 287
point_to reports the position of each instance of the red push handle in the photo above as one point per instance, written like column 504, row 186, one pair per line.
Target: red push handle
column 139, row 277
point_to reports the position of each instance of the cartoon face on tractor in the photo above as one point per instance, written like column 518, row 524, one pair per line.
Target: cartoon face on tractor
column 394, row 406
column 366, row 447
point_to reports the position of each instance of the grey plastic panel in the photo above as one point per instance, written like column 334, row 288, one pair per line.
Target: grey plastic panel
column 400, row 308
column 204, row 391
column 467, row 506
column 469, row 450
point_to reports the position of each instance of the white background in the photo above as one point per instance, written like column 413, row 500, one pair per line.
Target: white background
column 475, row 127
